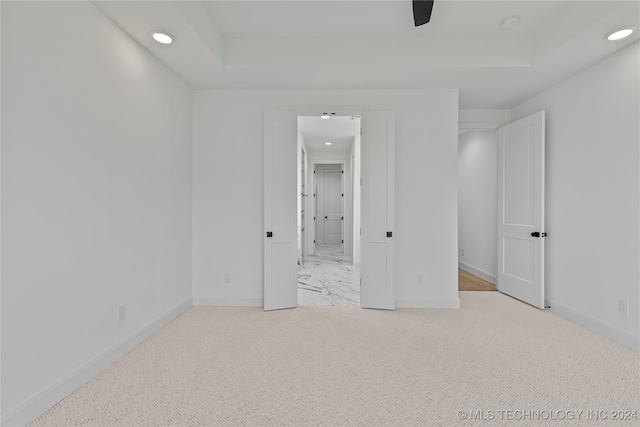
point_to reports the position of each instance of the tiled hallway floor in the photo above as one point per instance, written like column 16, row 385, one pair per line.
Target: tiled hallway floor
column 328, row 279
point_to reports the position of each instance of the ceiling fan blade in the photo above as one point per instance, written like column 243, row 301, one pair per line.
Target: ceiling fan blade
column 422, row 11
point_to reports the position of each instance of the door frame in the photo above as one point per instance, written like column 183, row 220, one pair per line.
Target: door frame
column 343, row 111
column 481, row 121
column 338, row 110
column 348, row 191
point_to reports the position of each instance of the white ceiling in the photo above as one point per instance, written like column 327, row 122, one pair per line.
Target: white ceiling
column 336, row 44
column 335, row 19
column 339, row 130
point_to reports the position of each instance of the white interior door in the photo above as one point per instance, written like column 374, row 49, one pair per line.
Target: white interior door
column 332, row 207
column 521, row 209
column 377, row 263
column 280, row 206
column 303, row 215
column 342, row 210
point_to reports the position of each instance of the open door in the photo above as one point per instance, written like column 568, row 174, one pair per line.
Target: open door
column 521, row 209
column 377, row 263
column 280, row 207
column 342, row 210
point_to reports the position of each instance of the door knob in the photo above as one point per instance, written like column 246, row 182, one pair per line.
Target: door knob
column 538, row 234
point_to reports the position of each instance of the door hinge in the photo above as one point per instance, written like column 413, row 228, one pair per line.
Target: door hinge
column 343, row 241
column 342, row 194
column 361, row 231
column 342, row 219
column 314, row 240
column 360, row 131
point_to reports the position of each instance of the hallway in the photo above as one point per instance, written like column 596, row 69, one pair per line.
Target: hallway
column 328, row 278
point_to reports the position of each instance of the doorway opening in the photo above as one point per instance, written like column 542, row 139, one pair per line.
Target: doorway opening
column 477, row 210
column 329, row 208
column 369, row 236
column 328, row 153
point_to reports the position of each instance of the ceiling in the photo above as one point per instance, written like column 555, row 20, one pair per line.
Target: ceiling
column 339, row 130
column 336, row 19
column 362, row 44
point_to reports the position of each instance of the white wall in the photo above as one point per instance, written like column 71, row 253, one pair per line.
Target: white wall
column 593, row 194
column 477, row 203
column 227, row 219
column 96, row 200
column 327, row 157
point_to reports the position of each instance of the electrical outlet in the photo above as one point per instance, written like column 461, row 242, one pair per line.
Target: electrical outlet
column 420, row 279
column 623, row 306
column 227, row 278
column 122, row 313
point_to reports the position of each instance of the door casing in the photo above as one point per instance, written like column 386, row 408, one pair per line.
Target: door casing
column 348, row 198
column 390, row 180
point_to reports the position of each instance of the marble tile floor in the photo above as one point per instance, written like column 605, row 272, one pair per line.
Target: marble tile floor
column 328, row 279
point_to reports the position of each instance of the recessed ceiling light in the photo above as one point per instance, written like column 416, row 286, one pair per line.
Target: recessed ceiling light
column 325, row 116
column 620, row 34
column 162, row 37
column 327, row 143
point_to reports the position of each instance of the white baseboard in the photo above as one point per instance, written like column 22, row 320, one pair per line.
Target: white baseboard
column 477, row 272
column 41, row 402
column 257, row 302
column 428, row 303
column 595, row 325
column 228, row 301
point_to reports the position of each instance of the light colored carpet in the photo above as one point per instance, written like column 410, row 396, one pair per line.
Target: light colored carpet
column 349, row 366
